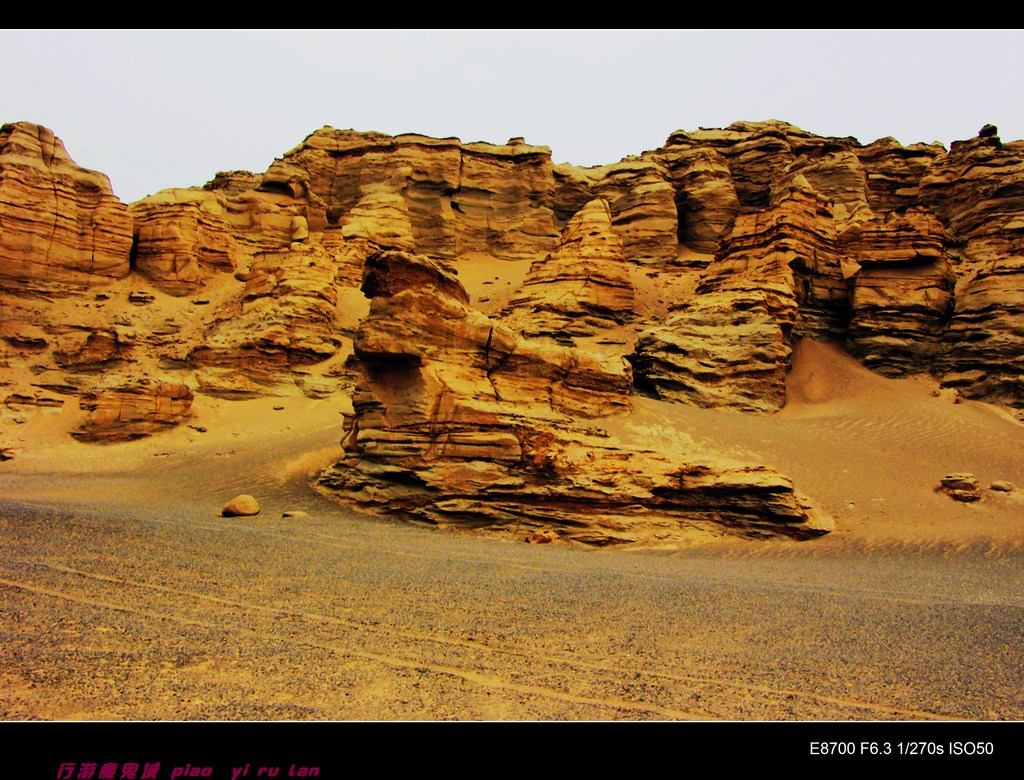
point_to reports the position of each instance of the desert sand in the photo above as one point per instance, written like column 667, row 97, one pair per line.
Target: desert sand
column 127, row 596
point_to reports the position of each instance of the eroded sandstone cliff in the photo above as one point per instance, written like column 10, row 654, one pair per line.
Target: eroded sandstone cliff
column 688, row 273
column 461, row 421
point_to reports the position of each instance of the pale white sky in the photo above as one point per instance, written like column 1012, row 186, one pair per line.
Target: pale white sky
column 170, row 108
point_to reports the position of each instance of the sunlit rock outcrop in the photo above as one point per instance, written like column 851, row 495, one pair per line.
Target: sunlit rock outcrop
column 580, row 289
column 61, row 227
column 461, row 422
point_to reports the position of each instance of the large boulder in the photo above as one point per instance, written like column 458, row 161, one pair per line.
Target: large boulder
column 243, row 505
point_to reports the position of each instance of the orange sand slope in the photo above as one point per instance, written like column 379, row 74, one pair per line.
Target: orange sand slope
column 870, row 450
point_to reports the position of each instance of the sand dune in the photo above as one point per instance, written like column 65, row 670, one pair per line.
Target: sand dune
column 871, row 450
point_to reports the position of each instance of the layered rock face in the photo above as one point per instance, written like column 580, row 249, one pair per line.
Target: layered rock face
column 641, row 202
column 719, row 351
column 756, row 154
column 981, row 353
column 705, row 195
column 902, row 294
column 438, row 196
column 61, row 227
column 581, row 289
column 134, row 411
column 460, row 421
column 978, row 188
column 185, row 237
column 286, row 319
column 230, row 289
column 181, row 237
column 895, row 172
column 912, row 263
column 777, row 278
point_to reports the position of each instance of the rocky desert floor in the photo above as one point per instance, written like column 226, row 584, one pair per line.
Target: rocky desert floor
column 125, row 595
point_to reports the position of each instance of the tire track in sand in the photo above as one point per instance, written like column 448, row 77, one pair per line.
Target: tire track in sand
column 478, row 678
column 741, row 691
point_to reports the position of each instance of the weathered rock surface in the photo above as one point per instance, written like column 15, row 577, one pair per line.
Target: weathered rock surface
column 902, row 295
column 705, row 195
column 286, row 317
column 982, row 349
column 756, row 153
column 978, row 190
column 789, row 250
column 720, row 350
column 580, row 289
column 61, row 226
column 459, row 421
column 707, row 258
column 777, row 278
column 134, row 411
column 839, row 176
column 641, row 203
column 243, row 505
column 182, row 235
column 263, row 270
column 894, row 172
column 960, row 486
column 458, row 198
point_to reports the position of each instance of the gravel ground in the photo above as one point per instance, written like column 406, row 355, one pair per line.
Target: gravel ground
column 111, row 613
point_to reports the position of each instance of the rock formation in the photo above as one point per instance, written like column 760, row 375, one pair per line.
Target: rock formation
column 458, row 197
column 978, row 191
column 62, row 227
column 459, row 421
column 123, row 413
column 724, row 350
column 687, row 272
column 640, row 199
column 705, row 195
column 232, row 289
column 777, row 277
column 902, row 290
column 581, row 289
column 960, row 486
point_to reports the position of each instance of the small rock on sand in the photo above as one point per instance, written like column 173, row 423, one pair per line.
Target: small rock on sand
column 960, row 486
column 294, row 513
column 1002, row 486
column 541, row 537
column 241, row 506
